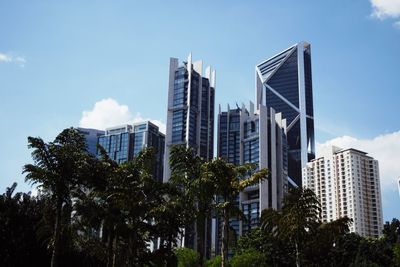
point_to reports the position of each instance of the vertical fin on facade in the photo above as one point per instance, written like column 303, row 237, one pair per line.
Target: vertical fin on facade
column 198, row 67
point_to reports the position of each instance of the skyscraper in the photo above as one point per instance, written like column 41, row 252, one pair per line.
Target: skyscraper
column 346, row 182
column 91, row 137
column 190, row 118
column 190, row 122
column 123, row 143
column 248, row 136
column 284, row 83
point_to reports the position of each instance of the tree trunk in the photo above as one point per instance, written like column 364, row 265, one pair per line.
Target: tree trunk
column 200, row 237
column 224, row 246
column 115, row 251
column 110, row 243
column 57, row 233
column 297, row 256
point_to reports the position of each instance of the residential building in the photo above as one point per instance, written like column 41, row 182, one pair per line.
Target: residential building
column 190, row 114
column 284, row 83
column 91, row 137
column 248, row 136
column 123, row 143
column 346, row 182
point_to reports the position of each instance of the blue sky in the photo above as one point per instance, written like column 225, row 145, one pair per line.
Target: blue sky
column 57, row 60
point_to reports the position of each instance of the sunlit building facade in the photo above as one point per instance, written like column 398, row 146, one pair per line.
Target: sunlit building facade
column 346, row 182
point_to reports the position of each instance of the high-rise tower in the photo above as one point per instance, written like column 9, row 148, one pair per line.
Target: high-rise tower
column 190, row 118
column 258, row 137
column 123, row 143
column 346, row 182
column 284, row 83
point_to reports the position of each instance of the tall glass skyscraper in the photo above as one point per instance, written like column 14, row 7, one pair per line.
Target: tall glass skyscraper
column 123, row 143
column 248, row 136
column 284, row 82
column 190, row 118
column 190, row 122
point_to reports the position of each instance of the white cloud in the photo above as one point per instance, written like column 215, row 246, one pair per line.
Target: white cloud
column 5, row 58
column 8, row 58
column 385, row 8
column 385, row 148
column 108, row 112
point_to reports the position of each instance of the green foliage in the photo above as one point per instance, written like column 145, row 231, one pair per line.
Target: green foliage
column 392, row 231
column 187, row 257
column 57, row 168
column 23, row 232
column 248, row 258
column 296, row 222
column 94, row 212
column 229, row 180
column 214, row 262
column 373, row 252
column 396, row 254
column 277, row 252
column 195, row 193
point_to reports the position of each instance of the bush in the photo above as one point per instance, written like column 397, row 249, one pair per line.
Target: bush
column 249, row 258
column 214, row 262
column 187, row 257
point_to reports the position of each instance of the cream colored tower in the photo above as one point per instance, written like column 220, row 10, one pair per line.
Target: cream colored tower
column 346, row 182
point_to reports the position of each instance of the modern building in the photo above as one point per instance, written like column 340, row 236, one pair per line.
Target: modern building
column 190, row 118
column 284, row 83
column 190, row 122
column 249, row 136
column 123, row 143
column 91, row 137
column 346, row 182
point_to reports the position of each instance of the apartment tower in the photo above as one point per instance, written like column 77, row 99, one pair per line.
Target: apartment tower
column 346, row 182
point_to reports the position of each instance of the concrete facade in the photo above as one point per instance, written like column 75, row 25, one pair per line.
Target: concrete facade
column 347, row 183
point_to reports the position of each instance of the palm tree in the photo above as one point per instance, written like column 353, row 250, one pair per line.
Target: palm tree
column 298, row 219
column 197, row 193
column 229, row 180
column 57, row 168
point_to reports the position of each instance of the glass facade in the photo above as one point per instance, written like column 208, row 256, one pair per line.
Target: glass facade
column 190, row 120
column 251, row 211
column 280, row 76
column 117, row 146
column 179, row 104
column 229, row 136
column 91, row 136
column 251, row 142
column 249, row 138
column 124, row 143
column 193, row 111
column 206, row 123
